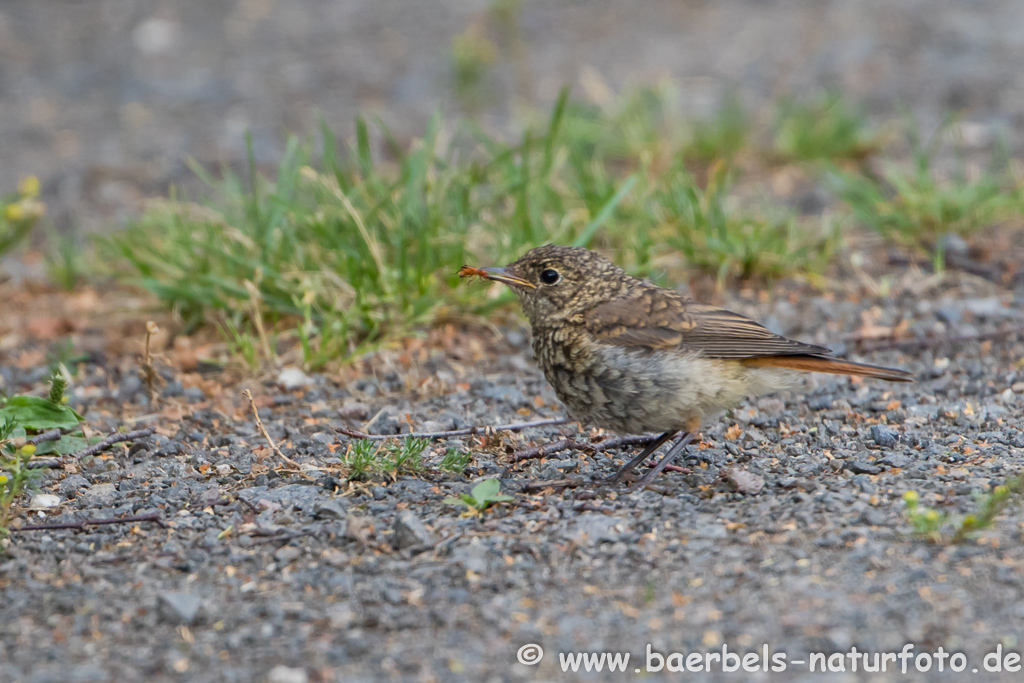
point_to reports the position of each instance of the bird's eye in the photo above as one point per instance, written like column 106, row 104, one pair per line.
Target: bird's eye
column 549, row 276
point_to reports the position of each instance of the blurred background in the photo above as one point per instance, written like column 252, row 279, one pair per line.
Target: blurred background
column 105, row 100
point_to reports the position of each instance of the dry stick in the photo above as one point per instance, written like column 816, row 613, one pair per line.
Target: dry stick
column 669, row 468
column 149, row 375
column 930, row 342
column 569, row 483
column 283, row 536
column 263, row 430
column 468, row 431
column 573, row 444
column 116, row 437
column 149, row 517
column 52, row 435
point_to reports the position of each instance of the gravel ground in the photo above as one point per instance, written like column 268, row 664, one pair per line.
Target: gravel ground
column 787, row 528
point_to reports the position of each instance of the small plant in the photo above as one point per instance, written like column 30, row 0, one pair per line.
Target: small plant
column 407, row 456
column 15, row 476
column 931, row 524
column 34, row 414
column 19, row 213
column 65, row 263
column 242, row 344
column 828, row 127
column 456, row 460
column 364, row 458
column 484, row 495
column 360, row 458
column 20, row 418
column 927, row 521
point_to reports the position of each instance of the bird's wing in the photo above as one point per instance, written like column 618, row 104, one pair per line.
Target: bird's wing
column 656, row 318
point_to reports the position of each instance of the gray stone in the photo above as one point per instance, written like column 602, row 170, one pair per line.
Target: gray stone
column 743, row 481
column 410, row 532
column 287, row 674
column 328, row 509
column 100, row 492
column 885, row 437
column 592, row 527
column 861, row 466
column 354, row 411
column 178, row 607
column 287, row 554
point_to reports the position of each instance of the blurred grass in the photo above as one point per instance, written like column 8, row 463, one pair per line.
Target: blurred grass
column 347, row 245
column 917, row 206
column 827, row 126
column 19, row 213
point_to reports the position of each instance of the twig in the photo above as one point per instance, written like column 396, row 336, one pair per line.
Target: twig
column 468, row 431
column 283, row 536
column 263, row 430
column 149, row 374
column 45, row 437
column 546, row 449
column 573, row 444
column 149, row 517
column 45, row 463
column 116, row 437
column 570, row 483
column 930, row 342
column 669, row 468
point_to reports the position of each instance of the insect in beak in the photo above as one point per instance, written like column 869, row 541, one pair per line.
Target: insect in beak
column 495, row 274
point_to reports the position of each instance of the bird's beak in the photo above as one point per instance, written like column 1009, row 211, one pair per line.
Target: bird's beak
column 502, row 275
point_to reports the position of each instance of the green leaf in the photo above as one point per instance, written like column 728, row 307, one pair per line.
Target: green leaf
column 453, row 501
column 500, row 498
column 39, row 414
column 486, row 490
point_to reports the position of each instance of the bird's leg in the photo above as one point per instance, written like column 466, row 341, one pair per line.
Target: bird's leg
column 631, row 465
column 665, row 461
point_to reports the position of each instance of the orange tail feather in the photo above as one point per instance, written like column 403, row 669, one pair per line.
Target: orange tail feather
column 833, row 366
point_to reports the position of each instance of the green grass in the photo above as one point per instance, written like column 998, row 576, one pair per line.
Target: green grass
column 365, row 458
column 722, row 136
column 345, row 248
column 915, row 207
column 733, row 242
column 825, row 127
column 456, row 460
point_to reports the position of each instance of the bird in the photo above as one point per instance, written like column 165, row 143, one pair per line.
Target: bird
column 627, row 355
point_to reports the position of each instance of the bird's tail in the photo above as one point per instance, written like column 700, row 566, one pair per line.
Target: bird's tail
column 833, row 366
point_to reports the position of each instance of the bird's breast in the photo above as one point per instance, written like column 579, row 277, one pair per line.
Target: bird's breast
column 633, row 390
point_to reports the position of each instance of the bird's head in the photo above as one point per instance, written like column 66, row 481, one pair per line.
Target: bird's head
column 556, row 283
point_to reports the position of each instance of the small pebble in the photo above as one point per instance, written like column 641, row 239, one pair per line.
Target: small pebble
column 885, row 437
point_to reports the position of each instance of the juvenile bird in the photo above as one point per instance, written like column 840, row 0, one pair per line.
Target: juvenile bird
column 624, row 354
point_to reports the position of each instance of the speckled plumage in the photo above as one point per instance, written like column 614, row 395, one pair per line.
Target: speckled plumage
column 627, row 355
